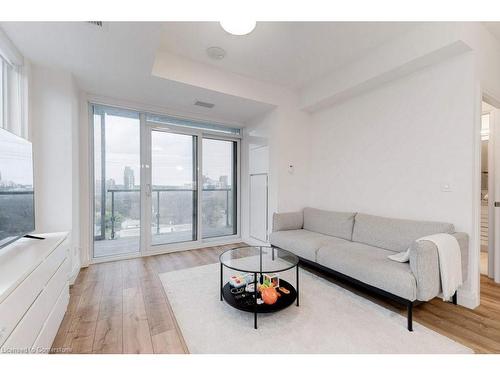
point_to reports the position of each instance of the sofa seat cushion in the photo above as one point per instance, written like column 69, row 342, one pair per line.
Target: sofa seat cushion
column 301, row 242
column 331, row 223
column 371, row 266
column 394, row 234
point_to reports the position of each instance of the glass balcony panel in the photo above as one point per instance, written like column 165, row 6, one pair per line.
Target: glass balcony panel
column 172, row 216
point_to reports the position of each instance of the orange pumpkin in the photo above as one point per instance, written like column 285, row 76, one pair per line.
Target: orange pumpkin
column 269, row 295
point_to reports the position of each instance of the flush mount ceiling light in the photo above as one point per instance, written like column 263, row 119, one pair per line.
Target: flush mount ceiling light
column 238, row 26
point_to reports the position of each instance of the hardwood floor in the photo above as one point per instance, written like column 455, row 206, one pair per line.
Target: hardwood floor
column 120, row 307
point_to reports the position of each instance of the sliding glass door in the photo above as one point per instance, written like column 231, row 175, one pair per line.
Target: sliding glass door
column 173, row 190
column 219, row 188
column 117, row 219
column 159, row 186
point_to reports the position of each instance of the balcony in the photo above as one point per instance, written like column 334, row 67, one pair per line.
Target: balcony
column 173, row 218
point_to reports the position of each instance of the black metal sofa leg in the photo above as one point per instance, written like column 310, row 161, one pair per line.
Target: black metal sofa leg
column 410, row 316
column 454, row 298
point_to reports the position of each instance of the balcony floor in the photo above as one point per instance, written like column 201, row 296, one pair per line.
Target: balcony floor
column 131, row 244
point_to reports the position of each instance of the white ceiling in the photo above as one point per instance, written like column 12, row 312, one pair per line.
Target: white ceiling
column 286, row 53
column 117, row 61
column 493, row 28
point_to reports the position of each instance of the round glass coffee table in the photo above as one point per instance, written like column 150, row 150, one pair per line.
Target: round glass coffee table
column 252, row 264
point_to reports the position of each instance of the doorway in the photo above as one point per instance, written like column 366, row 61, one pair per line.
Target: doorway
column 485, row 133
column 489, row 193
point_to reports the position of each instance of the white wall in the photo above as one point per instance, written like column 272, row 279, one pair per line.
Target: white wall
column 487, row 52
column 423, row 46
column 53, row 123
column 382, row 123
column 390, row 151
column 285, row 130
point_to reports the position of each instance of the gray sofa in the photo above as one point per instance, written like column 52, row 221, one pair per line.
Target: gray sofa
column 356, row 246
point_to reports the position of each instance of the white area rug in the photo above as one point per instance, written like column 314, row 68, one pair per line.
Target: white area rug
column 329, row 319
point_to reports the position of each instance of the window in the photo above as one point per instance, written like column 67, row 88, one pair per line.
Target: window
column 2, row 121
column 3, row 91
column 173, row 187
column 117, row 211
column 214, row 128
column 219, row 188
column 11, row 104
column 159, row 184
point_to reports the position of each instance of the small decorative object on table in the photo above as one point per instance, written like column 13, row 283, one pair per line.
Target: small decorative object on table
column 237, row 281
column 268, row 289
column 268, row 294
column 272, row 279
column 284, row 290
column 250, row 288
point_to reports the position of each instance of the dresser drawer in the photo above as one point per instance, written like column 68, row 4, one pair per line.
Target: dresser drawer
column 27, row 330
column 49, row 330
column 15, row 306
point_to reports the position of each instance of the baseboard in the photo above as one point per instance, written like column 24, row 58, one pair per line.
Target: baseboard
column 74, row 274
column 468, row 299
column 182, row 247
column 254, row 242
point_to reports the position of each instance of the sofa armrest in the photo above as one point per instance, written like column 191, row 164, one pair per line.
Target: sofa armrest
column 288, row 221
column 424, row 264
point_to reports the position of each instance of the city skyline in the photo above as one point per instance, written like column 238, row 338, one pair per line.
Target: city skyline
column 128, row 181
column 172, row 154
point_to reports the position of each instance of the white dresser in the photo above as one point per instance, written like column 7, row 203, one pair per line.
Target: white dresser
column 34, row 292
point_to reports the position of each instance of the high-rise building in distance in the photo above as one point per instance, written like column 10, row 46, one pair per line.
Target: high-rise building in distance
column 128, row 178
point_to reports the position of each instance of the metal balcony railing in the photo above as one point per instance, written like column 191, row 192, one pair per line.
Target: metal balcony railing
column 14, row 192
column 156, row 192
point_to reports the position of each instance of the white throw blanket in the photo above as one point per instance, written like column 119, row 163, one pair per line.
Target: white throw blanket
column 450, row 261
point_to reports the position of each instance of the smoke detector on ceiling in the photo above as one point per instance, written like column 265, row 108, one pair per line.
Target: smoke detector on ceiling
column 216, row 53
column 204, row 104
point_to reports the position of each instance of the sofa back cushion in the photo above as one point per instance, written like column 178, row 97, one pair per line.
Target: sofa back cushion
column 331, row 223
column 394, row 234
column 288, row 221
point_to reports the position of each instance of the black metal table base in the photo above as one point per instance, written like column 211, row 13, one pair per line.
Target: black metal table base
column 249, row 303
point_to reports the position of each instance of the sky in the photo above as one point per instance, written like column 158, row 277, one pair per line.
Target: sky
column 171, row 154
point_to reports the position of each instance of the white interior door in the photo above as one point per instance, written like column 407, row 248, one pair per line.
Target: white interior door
column 494, row 196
